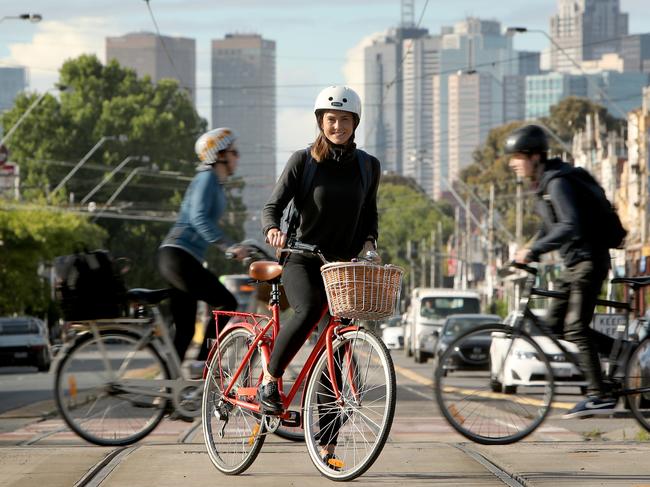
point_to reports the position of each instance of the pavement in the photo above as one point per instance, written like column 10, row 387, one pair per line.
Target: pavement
column 37, row 449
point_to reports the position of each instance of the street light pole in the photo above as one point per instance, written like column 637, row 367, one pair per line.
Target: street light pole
column 121, row 138
column 28, row 111
column 110, row 175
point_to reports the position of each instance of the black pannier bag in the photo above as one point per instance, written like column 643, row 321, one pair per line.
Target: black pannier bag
column 89, row 286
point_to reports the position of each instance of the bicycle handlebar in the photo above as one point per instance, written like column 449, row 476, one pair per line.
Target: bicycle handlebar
column 523, row 267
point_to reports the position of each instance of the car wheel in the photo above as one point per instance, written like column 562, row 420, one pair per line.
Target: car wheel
column 509, row 389
column 43, row 362
column 420, row 358
column 583, row 390
column 495, row 385
column 408, row 350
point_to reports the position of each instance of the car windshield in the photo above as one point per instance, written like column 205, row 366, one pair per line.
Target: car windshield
column 18, row 328
column 436, row 308
column 456, row 327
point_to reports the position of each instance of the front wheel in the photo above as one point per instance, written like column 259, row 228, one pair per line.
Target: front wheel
column 358, row 422
column 470, row 399
column 105, row 387
column 638, row 377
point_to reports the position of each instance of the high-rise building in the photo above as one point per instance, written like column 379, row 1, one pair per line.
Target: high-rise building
column 244, row 98
column 474, row 107
column 12, row 82
column 472, row 46
column 617, row 92
column 514, row 86
column 156, row 56
column 421, row 63
column 383, row 96
column 635, row 51
column 585, row 30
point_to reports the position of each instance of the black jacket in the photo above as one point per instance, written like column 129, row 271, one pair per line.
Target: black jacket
column 336, row 215
column 566, row 223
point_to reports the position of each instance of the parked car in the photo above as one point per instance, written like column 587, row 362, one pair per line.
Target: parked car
column 429, row 309
column 524, row 368
column 475, row 353
column 392, row 333
column 25, row 340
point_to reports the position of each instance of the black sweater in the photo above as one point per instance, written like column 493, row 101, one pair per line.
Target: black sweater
column 335, row 215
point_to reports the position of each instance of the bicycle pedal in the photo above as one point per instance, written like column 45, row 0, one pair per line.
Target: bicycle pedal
column 292, row 419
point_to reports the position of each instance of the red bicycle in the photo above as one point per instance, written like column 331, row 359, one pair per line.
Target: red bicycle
column 349, row 393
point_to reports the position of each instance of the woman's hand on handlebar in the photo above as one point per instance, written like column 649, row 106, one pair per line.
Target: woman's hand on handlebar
column 238, row 252
column 369, row 252
column 276, row 238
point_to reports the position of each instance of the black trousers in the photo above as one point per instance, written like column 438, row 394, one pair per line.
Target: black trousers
column 191, row 282
column 582, row 282
column 305, row 291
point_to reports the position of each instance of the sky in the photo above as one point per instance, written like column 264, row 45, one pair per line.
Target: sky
column 317, row 43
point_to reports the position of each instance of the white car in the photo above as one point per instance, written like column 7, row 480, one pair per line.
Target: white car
column 523, row 366
column 392, row 333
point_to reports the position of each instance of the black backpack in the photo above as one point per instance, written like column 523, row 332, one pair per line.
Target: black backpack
column 603, row 220
column 89, row 286
column 291, row 219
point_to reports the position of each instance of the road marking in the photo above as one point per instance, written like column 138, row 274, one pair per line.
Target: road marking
column 420, row 379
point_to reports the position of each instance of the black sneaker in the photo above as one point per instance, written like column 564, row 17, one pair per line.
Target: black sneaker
column 268, row 396
column 591, row 406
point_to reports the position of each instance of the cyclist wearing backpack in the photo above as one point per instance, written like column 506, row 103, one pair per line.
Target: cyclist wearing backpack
column 334, row 189
column 182, row 253
column 568, row 204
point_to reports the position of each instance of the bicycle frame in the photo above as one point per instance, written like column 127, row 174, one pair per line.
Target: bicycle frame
column 618, row 354
column 335, row 327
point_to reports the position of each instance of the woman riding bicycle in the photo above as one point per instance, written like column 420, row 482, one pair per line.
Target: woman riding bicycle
column 338, row 213
column 182, row 253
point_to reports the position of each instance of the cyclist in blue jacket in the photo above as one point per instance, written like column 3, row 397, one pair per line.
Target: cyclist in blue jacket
column 182, row 252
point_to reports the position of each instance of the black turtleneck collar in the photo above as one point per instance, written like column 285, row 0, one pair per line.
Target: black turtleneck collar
column 342, row 153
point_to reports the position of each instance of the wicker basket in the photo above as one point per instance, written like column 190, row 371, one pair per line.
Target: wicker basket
column 362, row 290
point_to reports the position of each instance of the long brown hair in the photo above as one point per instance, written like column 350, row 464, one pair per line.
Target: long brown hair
column 321, row 146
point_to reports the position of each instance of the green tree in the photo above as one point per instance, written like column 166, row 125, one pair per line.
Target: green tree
column 407, row 213
column 30, row 238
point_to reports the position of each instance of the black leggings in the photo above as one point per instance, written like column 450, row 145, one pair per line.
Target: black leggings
column 191, row 282
column 305, row 291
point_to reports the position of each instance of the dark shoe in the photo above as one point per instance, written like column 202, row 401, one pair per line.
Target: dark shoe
column 332, row 461
column 591, row 406
column 268, row 396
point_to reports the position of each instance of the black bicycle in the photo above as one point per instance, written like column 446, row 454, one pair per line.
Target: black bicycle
column 495, row 384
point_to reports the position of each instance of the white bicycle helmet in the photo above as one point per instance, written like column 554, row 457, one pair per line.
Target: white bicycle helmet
column 208, row 146
column 338, row 98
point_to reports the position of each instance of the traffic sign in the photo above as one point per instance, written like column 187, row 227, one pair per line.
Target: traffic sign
column 4, row 154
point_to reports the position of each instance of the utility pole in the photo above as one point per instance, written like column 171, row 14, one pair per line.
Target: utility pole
column 468, row 243
column 434, row 257
column 423, row 263
column 457, row 247
column 491, row 260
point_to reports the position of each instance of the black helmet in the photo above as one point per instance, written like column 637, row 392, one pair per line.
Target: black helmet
column 530, row 139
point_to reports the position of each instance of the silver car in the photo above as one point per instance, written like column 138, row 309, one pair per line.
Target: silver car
column 24, row 340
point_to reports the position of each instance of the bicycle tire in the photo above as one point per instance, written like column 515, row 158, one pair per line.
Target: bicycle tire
column 470, row 373
column 91, row 406
column 232, row 450
column 363, row 393
column 638, row 375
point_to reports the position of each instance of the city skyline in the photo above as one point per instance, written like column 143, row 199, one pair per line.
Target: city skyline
column 314, row 46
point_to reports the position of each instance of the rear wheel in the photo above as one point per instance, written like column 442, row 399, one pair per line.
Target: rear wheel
column 233, row 435
column 93, row 400
column 638, row 376
column 471, row 399
column 359, row 422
